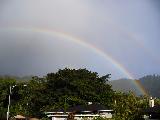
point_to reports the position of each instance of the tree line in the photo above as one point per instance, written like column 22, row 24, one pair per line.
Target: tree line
column 65, row 88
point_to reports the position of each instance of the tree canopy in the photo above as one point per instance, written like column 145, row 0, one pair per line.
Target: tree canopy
column 65, row 88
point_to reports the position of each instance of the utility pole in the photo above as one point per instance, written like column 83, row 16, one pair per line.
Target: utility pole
column 9, row 100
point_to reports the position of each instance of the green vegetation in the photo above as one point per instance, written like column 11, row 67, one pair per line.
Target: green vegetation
column 67, row 87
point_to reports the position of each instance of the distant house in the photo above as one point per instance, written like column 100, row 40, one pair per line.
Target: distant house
column 81, row 111
column 153, row 112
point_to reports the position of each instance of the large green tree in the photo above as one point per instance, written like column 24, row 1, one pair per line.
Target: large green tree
column 78, row 87
column 67, row 87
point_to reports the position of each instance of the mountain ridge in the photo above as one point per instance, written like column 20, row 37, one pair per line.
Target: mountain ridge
column 150, row 83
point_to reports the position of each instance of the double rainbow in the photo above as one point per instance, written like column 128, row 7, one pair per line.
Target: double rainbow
column 81, row 42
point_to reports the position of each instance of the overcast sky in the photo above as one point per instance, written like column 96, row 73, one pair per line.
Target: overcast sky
column 129, row 31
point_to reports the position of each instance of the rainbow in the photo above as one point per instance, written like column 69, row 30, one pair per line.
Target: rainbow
column 81, row 42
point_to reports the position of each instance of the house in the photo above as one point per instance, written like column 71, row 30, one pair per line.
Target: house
column 80, row 112
column 153, row 112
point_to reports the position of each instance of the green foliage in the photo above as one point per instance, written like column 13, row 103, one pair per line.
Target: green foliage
column 78, row 86
column 5, row 82
column 128, row 106
column 65, row 88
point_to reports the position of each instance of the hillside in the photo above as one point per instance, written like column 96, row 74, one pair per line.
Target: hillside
column 151, row 83
column 124, row 85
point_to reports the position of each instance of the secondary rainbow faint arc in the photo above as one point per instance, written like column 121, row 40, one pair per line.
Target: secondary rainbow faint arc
column 81, row 42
